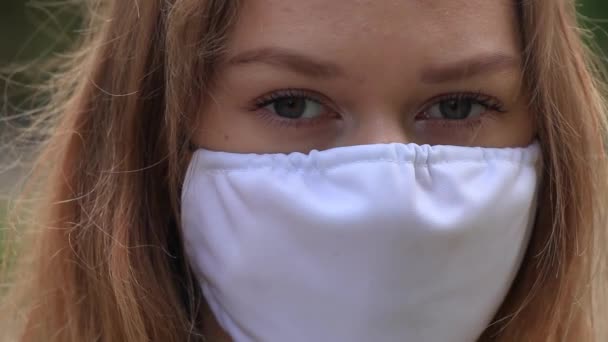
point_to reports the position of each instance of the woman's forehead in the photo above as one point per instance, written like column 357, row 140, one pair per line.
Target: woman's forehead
column 366, row 31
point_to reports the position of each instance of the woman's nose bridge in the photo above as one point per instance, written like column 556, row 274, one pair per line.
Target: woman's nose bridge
column 380, row 129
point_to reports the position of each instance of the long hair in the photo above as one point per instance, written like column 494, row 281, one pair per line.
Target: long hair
column 103, row 259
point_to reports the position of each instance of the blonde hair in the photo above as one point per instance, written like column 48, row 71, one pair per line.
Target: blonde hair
column 105, row 259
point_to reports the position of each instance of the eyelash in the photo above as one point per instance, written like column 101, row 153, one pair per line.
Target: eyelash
column 287, row 93
column 491, row 103
column 268, row 99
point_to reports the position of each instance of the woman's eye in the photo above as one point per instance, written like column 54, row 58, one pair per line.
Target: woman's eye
column 456, row 109
column 295, row 107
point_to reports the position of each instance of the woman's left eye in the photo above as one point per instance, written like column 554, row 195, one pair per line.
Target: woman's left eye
column 460, row 107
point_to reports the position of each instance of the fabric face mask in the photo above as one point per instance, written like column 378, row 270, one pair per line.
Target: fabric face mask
column 394, row 242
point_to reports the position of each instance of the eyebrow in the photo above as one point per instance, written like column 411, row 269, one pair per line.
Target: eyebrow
column 477, row 65
column 290, row 60
column 317, row 68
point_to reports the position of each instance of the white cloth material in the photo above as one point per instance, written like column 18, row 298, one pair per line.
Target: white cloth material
column 388, row 242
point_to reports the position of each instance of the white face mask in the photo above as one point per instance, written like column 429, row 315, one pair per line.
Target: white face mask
column 392, row 242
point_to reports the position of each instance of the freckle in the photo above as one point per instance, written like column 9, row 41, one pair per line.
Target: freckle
column 226, row 137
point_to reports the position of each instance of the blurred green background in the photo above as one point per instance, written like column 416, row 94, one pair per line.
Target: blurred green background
column 31, row 31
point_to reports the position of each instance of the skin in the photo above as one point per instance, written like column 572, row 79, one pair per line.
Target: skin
column 377, row 68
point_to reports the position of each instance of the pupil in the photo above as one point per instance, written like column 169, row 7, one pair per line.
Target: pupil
column 456, row 109
column 290, row 107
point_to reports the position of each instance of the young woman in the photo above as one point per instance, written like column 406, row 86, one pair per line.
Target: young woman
column 284, row 170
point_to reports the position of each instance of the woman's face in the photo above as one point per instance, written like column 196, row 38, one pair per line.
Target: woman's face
column 316, row 74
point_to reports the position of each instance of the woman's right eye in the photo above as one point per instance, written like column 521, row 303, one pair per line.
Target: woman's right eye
column 295, row 107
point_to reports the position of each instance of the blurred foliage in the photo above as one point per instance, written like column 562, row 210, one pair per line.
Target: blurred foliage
column 594, row 17
column 33, row 30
